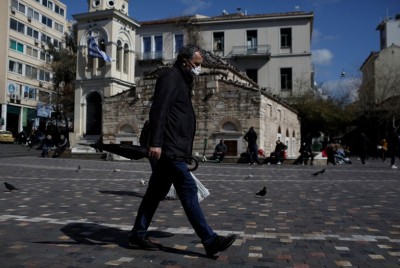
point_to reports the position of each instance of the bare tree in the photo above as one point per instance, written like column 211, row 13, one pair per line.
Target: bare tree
column 63, row 66
column 193, row 34
column 379, row 96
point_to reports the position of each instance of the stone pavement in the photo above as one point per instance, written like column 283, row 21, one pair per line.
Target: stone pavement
column 347, row 217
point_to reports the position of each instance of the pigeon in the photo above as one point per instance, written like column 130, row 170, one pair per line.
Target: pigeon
column 262, row 192
column 318, row 172
column 78, row 169
column 116, row 170
column 10, row 187
column 248, row 177
column 143, row 182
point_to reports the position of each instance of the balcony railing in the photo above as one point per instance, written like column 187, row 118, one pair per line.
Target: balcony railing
column 260, row 50
column 151, row 55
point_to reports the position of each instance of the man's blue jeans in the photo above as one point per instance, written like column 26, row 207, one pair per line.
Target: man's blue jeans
column 253, row 153
column 166, row 172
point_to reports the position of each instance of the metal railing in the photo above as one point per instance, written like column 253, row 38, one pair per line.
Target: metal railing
column 251, row 50
column 151, row 55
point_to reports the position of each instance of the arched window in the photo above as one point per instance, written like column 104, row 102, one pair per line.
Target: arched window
column 126, row 58
column 126, row 129
column 229, row 126
column 102, row 46
column 119, row 55
column 287, row 132
column 279, row 129
column 294, row 134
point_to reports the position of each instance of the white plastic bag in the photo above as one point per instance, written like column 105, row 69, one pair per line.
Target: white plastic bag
column 202, row 192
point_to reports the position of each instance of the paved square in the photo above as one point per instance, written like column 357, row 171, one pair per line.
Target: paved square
column 347, row 217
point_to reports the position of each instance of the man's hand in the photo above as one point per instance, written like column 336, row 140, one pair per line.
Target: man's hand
column 154, row 152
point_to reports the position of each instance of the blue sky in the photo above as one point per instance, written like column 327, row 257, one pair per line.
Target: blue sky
column 344, row 31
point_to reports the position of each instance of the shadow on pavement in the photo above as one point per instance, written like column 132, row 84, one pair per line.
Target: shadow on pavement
column 130, row 193
column 95, row 234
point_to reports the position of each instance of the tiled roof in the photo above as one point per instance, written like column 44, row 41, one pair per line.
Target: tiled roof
column 228, row 17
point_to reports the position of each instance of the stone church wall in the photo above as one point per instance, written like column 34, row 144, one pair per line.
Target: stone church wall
column 224, row 109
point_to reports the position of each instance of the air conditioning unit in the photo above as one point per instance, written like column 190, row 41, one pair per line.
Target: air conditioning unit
column 36, row 41
column 13, row 10
column 43, row 43
column 13, row 96
column 29, row 18
column 18, row 97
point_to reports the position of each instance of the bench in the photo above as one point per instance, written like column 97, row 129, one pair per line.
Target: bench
column 65, row 154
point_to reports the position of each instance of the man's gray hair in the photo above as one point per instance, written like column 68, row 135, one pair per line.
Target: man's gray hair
column 187, row 52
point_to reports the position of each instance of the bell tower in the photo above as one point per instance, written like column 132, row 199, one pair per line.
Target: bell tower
column 97, row 5
column 107, row 27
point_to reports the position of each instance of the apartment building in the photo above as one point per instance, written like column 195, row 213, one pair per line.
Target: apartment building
column 26, row 89
column 274, row 50
column 389, row 32
column 381, row 69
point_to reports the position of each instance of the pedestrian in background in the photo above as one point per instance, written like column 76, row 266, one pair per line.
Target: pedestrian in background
column 172, row 126
column 46, row 145
column 62, row 144
column 306, row 153
column 220, row 151
column 383, row 148
column 393, row 146
column 363, row 147
column 330, row 154
column 251, row 138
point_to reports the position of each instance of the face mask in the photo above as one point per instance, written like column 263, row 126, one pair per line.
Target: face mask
column 196, row 70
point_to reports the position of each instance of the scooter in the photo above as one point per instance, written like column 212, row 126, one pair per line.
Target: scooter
column 204, row 158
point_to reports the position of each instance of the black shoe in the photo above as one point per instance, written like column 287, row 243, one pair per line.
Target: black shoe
column 220, row 243
column 143, row 243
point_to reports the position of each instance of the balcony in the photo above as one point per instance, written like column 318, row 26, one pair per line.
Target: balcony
column 151, row 56
column 251, row 51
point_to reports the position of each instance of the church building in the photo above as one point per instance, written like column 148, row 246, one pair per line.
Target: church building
column 111, row 105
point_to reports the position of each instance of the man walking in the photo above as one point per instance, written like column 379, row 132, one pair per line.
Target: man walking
column 172, row 125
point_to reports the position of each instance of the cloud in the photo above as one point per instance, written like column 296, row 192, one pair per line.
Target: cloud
column 319, row 3
column 319, row 37
column 194, row 5
column 321, row 56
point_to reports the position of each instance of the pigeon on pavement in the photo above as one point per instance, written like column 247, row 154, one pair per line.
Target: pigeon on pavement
column 10, row 187
column 78, row 169
column 262, row 192
column 248, row 177
column 318, row 172
column 143, row 182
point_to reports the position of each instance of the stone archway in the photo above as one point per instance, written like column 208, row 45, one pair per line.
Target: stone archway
column 93, row 114
column 230, row 130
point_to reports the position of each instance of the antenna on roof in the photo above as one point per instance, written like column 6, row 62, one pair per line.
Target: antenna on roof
column 224, row 12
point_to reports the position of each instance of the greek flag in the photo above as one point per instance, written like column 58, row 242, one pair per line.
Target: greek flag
column 95, row 52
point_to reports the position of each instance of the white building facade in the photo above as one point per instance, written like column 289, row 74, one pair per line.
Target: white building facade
column 274, row 50
column 108, row 22
column 26, row 89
